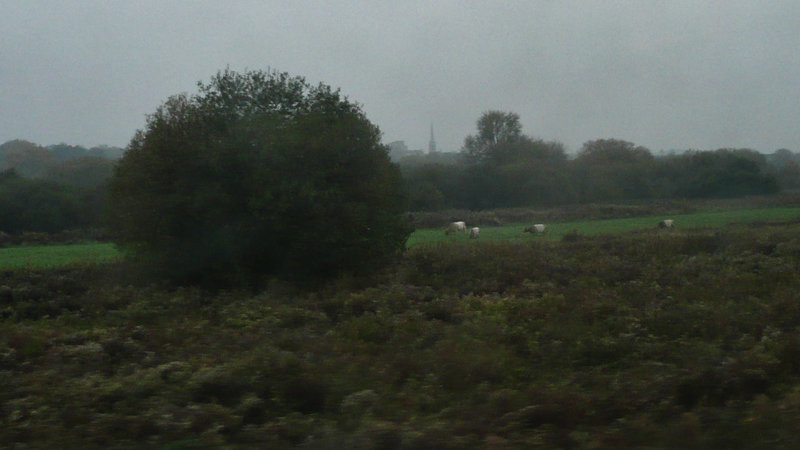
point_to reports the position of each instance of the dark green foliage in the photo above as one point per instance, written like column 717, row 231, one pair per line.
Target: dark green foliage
column 430, row 186
column 502, row 167
column 722, row 173
column 614, row 169
column 28, row 205
column 786, row 167
column 497, row 131
column 650, row 339
column 65, row 152
column 50, row 190
column 85, row 171
column 259, row 174
column 59, row 162
column 507, row 168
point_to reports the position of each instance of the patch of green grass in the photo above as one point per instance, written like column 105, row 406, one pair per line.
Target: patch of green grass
column 52, row 256
column 556, row 230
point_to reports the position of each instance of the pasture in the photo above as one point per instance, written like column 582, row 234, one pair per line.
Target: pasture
column 557, row 230
column 54, row 256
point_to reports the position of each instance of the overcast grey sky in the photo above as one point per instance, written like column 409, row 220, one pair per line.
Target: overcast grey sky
column 662, row 74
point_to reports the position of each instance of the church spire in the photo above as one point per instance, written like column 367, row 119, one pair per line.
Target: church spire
column 432, row 142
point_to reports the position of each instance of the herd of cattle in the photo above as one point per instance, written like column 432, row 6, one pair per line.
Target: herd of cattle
column 538, row 228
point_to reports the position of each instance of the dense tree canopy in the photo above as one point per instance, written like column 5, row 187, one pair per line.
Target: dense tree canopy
column 258, row 174
column 26, row 158
column 82, row 171
column 45, row 206
column 496, row 130
column 51, row 189
column 720, row 173
column 500, row 166
column 505, row 167
column 786, row 166
column 613, row 151
column 613, row 169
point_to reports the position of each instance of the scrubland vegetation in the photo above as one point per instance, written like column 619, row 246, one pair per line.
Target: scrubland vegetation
column 688, row 338
column 269, row 297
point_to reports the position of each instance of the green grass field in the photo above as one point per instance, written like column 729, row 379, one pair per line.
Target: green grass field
column 50, row 256
column 556, row 230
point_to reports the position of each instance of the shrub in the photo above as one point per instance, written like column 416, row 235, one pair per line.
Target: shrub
column 259, row 174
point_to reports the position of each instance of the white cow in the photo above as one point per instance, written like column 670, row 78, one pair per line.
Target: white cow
column 538, row 228
column 456, row 226
column 666, row 223
column 474, row 232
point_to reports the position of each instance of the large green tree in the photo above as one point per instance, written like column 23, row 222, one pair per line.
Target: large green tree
column 44, row 206
column 507, row 168
column 496, row 129
column 260, row 173
column 725, row 173
column 613, row 169
column 786, row 166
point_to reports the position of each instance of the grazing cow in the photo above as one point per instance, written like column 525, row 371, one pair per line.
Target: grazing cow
column 456, row 226
column 666, row 223
column 538, row 228
column 474, row 232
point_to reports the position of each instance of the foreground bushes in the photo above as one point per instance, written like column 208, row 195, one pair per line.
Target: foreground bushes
column 682, row 339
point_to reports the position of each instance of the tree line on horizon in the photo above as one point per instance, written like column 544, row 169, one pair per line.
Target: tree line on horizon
column 62, row 163
column 54, row 188
column 501, row 167
column 58, row 187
